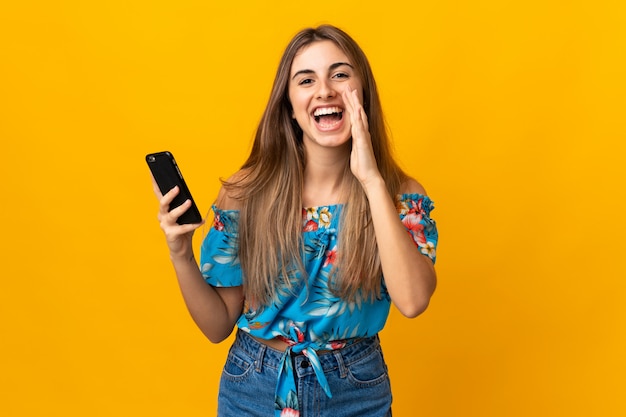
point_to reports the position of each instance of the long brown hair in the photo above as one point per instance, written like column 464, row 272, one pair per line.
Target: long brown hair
column 270, row 185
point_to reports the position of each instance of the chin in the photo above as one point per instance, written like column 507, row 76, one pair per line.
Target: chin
column 331, row 142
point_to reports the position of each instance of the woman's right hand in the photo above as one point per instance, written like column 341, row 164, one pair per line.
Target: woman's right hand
column 177, row 236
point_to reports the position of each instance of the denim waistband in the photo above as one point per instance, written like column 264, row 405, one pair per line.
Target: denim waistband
column 330, row 360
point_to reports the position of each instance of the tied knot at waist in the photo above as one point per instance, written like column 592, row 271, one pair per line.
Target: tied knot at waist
column 298, row 345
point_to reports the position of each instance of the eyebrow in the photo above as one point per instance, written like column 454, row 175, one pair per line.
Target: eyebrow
column 332, row 67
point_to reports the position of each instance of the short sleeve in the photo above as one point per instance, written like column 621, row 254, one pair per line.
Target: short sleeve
column 414, row 210
column 219, row 259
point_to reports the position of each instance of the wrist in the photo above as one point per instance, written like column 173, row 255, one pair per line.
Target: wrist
column 182, row 257
column 374, row 186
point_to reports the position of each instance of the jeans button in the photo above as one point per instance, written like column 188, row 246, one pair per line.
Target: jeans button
column 304, row 364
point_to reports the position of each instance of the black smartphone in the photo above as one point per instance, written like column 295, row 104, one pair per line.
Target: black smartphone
column 167, row 175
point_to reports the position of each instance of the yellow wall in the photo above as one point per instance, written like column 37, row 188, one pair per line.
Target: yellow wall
column 510, row 112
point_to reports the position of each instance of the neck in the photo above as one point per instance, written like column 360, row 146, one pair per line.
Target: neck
column 324, row 177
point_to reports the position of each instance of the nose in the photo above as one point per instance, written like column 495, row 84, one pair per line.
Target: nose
column 325, row 90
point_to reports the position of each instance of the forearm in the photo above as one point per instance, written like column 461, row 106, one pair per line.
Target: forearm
column 409, row 276
column 215, row 316
column 215, row 311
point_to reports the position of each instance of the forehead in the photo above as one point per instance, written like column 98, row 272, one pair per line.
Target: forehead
column 318, row 56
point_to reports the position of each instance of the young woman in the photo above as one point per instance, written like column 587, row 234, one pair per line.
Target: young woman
column 312, row 240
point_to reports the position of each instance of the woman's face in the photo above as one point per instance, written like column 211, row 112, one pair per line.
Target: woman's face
column 320, row 73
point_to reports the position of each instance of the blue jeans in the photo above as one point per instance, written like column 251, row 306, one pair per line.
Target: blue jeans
column 357, row 375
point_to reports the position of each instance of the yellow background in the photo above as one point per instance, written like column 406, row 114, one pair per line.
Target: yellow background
column 511, row 113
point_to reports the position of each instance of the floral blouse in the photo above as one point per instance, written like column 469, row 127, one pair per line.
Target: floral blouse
column 311, row 317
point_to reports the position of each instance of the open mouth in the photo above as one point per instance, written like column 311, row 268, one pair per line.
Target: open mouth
column 327, row 117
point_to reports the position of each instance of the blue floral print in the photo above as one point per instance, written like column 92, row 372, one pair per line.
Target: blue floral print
column 310, row 317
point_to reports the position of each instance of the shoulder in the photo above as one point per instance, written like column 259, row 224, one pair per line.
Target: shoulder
column 411, row 186
column 228, row 197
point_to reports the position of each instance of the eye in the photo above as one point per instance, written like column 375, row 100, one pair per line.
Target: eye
column 341, row 75
column 305, row 81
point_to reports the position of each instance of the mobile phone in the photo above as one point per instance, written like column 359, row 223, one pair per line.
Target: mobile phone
column 167, row 175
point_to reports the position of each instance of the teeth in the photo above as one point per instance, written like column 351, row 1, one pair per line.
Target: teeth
column 326, row 110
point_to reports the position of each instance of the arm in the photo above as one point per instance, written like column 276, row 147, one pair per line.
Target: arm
column 410, row 276
column 214, row 310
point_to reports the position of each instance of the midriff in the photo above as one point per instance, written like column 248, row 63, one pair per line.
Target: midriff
column 276, row 344
column 281, row 346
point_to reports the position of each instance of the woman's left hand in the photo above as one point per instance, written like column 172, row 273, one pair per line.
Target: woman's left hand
column 362, row 159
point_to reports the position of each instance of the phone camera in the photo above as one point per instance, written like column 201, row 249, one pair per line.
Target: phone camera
column 151, row 158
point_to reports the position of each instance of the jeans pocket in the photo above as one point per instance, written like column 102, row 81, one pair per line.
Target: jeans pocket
column 238, row 367
column 368, row 371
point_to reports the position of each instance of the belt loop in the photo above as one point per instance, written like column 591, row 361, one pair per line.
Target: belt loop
column 259, row 358
column 343, row 371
